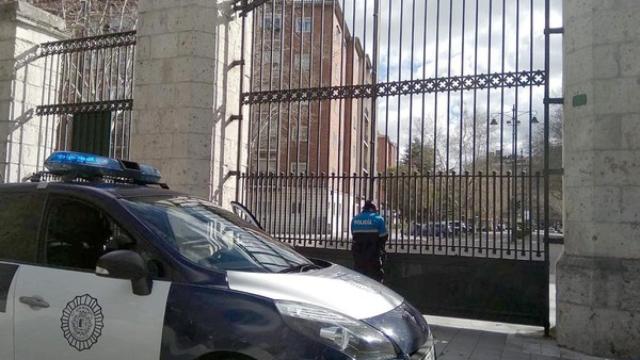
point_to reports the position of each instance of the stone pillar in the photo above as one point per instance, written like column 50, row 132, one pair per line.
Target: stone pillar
column 598, row 299
column 185, row 94
column 22, row 82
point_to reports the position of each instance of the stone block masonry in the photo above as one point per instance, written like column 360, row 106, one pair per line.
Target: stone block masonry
column 598, row 300
column 185, row 94
column 23, row 86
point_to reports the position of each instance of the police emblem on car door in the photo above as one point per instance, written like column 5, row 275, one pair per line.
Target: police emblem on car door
column 82, row 322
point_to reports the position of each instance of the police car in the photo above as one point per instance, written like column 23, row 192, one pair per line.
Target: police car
column 99, row 260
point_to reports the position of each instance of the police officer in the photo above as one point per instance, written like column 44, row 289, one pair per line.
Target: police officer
column 369, row 236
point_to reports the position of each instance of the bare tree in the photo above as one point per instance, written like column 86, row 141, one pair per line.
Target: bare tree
column 92, row 17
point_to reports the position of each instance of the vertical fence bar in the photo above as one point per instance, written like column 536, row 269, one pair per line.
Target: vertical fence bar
column 436, row 173
column 243, row 24
column 530, row 170
column 290, row 180
column 523, row 231
column 374, row 101
column 538, row 214
column 466, row 211
column 45, row 90
column 493, row 226
column 410, row 142
column 462, row 132
column 486, row 216
column 515, row 123
column 547, row 68
column 327, row 140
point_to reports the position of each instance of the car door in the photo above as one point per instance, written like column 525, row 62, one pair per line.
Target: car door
column 20, row 213
column 64, row 311
column 7, row 273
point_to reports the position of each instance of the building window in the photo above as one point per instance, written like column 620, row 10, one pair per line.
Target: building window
column 271, row 22
column 305, row 62
column 270, row 128
column 296, row 208
column 267, row 166
column 299, row 167
column 271, row 57
column 303, row 25
column 303, row 105
column 303, row 136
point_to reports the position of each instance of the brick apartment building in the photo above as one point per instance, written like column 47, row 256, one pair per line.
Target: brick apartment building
column 388, row 160
column 312, row 47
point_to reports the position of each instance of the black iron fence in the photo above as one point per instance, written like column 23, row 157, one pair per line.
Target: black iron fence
column 87, row 94
column 447, row 102
column 428, row 88
column 478, row 215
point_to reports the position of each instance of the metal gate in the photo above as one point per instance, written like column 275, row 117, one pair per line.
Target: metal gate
column 87, row 94
column 438, row 110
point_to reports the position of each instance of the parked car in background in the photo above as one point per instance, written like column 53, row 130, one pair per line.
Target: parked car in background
column 458, row 227
column 433, row 229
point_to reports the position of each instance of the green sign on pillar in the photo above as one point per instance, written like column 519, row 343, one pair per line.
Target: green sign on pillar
column 580, row 100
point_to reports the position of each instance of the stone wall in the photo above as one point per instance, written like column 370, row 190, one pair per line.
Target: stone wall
column 23, row 83
column 598, row 298
column 185, row 94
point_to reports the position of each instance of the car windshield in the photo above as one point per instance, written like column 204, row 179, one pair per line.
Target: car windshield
column 212, row 237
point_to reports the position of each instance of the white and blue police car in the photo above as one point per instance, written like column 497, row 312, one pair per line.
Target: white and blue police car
column 98, row 260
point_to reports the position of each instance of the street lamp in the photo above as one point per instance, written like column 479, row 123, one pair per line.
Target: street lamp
column 514, row 123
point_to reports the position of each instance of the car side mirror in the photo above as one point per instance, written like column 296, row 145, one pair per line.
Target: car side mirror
column 129, row 265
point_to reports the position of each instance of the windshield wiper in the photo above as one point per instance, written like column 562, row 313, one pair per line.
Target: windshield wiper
column 300, row 268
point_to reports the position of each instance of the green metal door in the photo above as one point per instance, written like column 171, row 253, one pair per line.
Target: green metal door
column 91, row 132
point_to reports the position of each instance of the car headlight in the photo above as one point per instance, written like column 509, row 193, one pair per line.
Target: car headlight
column 430, row 348
column 427, row 351
column 350, row 336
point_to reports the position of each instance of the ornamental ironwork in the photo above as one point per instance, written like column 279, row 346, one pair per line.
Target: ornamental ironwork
column 406, row 87
column 113, row 40
column 246, row 6
column 86, row 107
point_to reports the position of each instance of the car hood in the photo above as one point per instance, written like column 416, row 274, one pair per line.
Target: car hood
column 334, row 287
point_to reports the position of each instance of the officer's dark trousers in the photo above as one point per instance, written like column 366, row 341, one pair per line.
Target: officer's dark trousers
column 368, row 256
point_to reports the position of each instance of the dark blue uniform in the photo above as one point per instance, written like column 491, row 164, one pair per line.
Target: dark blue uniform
column 369, row 236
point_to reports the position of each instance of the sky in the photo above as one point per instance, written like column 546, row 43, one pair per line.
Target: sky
column 421, row 39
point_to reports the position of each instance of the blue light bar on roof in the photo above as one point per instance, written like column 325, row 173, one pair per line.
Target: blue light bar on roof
column 69, row 160
column 90, row 166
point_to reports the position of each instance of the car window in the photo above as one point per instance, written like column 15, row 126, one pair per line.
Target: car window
column 77, row 234
column 20, row 215
column 212, row 237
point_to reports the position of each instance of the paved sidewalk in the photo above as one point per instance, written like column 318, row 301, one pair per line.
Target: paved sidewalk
column 462, row 339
